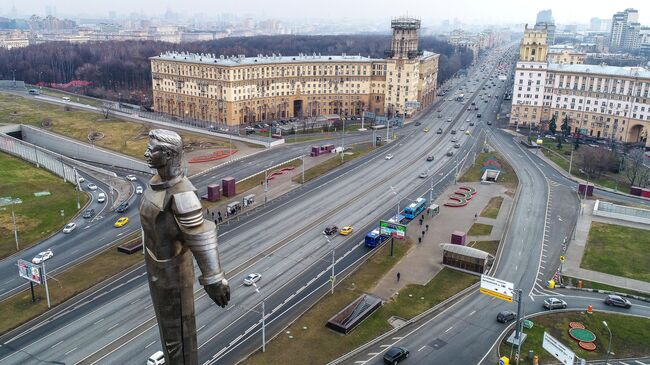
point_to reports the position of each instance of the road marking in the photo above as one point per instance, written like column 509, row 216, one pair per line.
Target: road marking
column 152, row 342
column 421, row 348
column 472, row 313
column 200, row 328
column 384, row 346
column 373, row 353
column 639, row 362
column 448, row 329
column 113, row 326
column 360, row 362
column 56, row 344
column 70, row 351
column 397, row 338
column 541, row 267
column 99, row 321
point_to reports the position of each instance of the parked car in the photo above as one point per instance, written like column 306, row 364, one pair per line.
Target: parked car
column 617, row 301
column 506, row 316
column 138, row 189
column 89, row 213
column 121, row 222
column 92, row 186
column 42, row 256
column 330, row 230
column 554, row 303
column 252, row 278
column 346, row 230
column 395, row 355
column 122, row 207
column 101, row 197
column 69, row 227
column 131, row 177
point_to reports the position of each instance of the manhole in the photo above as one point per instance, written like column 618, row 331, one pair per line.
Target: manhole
column 581, row 334
column 437, row 344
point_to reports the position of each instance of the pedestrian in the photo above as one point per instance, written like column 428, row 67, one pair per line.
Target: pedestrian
column 422, row 216
column 419, row 239
column 475, row 215
column 427, row 228
column 212, row 215
column 220, row 219
column 207, row 211
column 215, row 222
column 398, row 276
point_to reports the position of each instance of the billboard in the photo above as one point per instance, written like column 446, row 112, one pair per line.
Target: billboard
column 394, row 230
column 497, row 288
column 30, row 271
column 557, row 349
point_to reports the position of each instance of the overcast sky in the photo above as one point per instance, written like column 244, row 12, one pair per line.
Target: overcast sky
column 483, row 11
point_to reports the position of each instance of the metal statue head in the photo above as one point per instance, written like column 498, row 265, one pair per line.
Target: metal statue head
column 164, row 152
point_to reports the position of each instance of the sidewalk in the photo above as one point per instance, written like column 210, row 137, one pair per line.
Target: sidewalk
column 576, row 250
column 424, row 260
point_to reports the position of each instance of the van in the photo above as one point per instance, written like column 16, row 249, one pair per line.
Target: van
column 65, row 98
column 157, row 358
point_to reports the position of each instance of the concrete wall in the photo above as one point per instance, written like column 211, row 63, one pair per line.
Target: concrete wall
column 80, row 151
column 621, row 215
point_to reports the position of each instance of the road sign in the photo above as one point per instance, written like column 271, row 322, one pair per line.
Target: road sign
column 561, row 258
column 557, row 349
column 30, row 271
column 394, row 230
column 497, row 288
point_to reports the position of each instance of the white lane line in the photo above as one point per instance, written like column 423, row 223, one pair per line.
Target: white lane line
column 397, row 338
column 472, row 313
column 56, row 344
column 152, row 342
column 99, row 321
column 384, row 346
column 70, row 351
column 449, row 329
column 421, row 348
column 200, row 328
column 373, row 353
column 360, row 362
column 113, row 326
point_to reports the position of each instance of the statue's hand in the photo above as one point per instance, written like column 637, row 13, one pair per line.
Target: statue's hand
column 219, row 292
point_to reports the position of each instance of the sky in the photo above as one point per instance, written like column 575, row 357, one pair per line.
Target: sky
column 468, row 11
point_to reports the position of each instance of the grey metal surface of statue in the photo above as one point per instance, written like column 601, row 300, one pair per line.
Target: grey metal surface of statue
column 174, row 230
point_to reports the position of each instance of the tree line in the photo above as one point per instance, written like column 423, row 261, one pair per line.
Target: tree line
column 122, row 70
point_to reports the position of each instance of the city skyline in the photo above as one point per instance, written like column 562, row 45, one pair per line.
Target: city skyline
column 468, row 11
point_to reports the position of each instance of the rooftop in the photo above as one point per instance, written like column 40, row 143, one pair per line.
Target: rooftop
column 602, row 70
column 241, row 60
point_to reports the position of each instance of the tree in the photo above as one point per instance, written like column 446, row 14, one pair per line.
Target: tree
column 559, row 142
column 552, row 126
column 596, row 161
column 566, row 130
column 635, row 170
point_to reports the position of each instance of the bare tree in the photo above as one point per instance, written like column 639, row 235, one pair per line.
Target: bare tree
column 597, row 161
column 105, row 111
column 636, row 172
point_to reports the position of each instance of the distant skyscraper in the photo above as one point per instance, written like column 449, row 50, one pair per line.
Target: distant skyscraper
column 546, row 22
column 624, row 35
column 545, row 16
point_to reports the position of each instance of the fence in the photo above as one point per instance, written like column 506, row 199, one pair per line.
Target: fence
column 638, row 215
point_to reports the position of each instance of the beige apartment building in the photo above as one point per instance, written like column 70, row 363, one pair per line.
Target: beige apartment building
column 241, row 90
column 566, row 55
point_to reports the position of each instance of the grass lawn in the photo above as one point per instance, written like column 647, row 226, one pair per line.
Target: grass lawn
column 318, row 345
column 594, row 285
column 19, row 308
column 480, row 229
column 36, row 217
column 487, row 246
column 631, row 335
column 356, row 151
column 507, row 177
column 492, row 208
column 129, row 138
column 618, row 250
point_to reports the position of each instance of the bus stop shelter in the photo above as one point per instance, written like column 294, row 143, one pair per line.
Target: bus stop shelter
column 466, row 258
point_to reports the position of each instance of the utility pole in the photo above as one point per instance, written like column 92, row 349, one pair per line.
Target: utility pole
column 570, row 160
column 47, row 291
column 333, row 262
column 263, row 327
column 519, row 323
column 303, row 169
column 13, row 217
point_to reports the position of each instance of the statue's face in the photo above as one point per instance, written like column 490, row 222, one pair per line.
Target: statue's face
column 156, row 155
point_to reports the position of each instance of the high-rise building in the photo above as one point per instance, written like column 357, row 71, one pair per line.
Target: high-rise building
column 624, row 35
column 546, row 22
column 545, row 16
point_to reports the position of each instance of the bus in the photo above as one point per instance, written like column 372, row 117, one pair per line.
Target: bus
column 415, row 209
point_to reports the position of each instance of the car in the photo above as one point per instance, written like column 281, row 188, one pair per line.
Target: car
column 448, row 120
column 122, row 207
column 395, row 354
column 418, row 123
column 469, row 108
column 462, row 129
column 489, row 123
column 506, row 316
column 478, row 115
column 346, row 230
column 81, row 180
column 430, row 158
column 389, row 156
column 89, row 213
column 158, row 358
column 101, row 197
column 554, row 303
column 138, row 189
column 439, row 115
column 69, row 227
column 457, row 145
column 426, row 130
column 467, row 132
column 92, row 186
column 424, row 174
column 454, row 140
column 450, row 153
column 617, row 301
column 131, row 177
column 476, row 107
column 252, row 278
column 42, row 256
column 471, row 124
column 453, row 131
column 439, row 131
column 65, row 98
column 121, row 222
column 330, row 230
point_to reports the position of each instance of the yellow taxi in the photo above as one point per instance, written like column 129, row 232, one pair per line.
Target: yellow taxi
column 467, row 132
column 346, row 230
column 426, row 130
column 121, row 222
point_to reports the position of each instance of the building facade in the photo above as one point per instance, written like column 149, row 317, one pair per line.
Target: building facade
column 530, row 75
column 566, row 55
column 625, row 31
column 241, row 90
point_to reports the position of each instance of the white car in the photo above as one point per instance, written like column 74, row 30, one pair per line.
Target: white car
column 130, row 177
column 389, row 156
column 47, row 254
column 69, row 227
column 81, row 180
column 101, row 197
column 92, row 186
column 424, row 174
column 138, row 190
column 252, row 279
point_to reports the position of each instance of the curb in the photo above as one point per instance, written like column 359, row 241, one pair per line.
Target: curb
column 603, row 291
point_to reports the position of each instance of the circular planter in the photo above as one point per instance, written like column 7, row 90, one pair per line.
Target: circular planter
column 589, row 346
column 576, row 325
column 581, row 334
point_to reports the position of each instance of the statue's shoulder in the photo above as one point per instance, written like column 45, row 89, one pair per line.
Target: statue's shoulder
column 186, row 203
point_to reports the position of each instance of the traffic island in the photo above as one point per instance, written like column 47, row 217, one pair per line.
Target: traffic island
column 631, row 336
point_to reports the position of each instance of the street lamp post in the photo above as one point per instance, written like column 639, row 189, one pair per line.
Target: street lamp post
column 332, row 276
column 257, row 289
column 609, row 344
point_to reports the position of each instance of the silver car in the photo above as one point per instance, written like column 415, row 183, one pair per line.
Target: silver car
column 554, row 303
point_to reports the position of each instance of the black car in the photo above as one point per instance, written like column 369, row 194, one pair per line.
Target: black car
column 89, row 213
column 506, row 316
column 418, row 123
column 122, row 207
column 430, row 158
column 395, row 355
column 478, row 115
column 617, row 301
column 330, row 230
